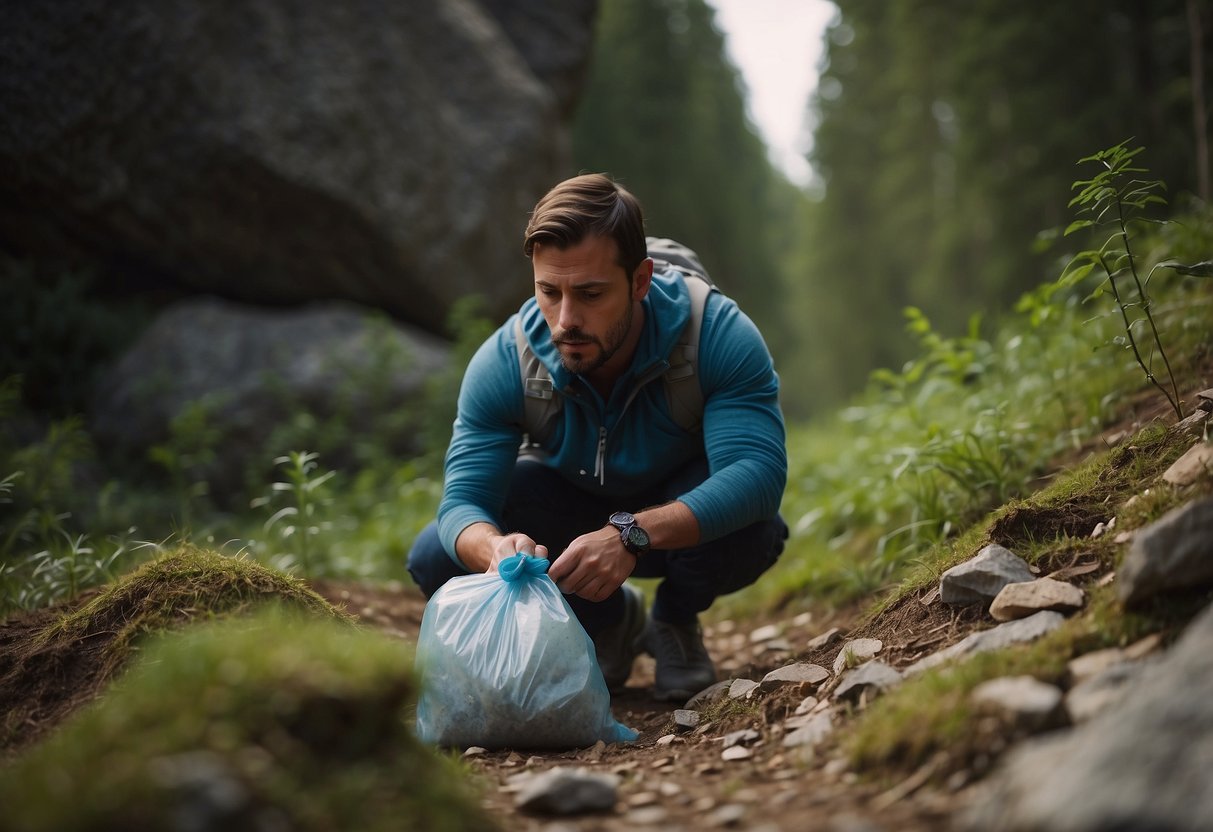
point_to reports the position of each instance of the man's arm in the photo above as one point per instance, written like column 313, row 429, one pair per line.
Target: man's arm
column 481, row 456
column 595, row 564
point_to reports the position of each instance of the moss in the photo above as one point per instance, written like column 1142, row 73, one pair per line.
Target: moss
column 186, row 585
column 274, row 720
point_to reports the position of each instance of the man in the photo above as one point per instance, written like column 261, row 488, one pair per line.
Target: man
column 618, row 488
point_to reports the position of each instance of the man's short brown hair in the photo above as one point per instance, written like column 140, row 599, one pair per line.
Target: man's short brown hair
column 592, row 204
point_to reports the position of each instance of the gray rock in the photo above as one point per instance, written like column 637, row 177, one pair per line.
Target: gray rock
column 810, row 732
column 712, row 693
column 685, row 720
column 745, row 736
column 1174, row 553
column 1102, row 690
column 1026, row 702
column 249, row 368
column 794, row 674
column 565, row 791
column 1141, row 765
column 856, row 652
column 764, row 633
column 1193, row 465
column 825, row 639
column 282, row 152
column 742, row 688
column 1004, row 635
column 1023, row 599
column 870, row 677
column 979, row 579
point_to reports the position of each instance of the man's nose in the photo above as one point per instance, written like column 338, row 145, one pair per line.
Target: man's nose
column 569, row 317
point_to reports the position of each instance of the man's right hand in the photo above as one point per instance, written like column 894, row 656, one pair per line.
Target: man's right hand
column 507, row 545
column 481, row 546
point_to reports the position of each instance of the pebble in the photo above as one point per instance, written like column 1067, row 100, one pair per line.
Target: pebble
column 979, row 579
column 1029, row 703
column 475, row 751
column 806, row 705
column 736, row 752
column 742, row 737
column 729, row 814
column 825, row 639
column 766, row 633
column 813, row 731
column 792, row 674
column 686, row 720
column 647, row 816
column 856, row 652
column 666, row 740
column 742, row 688
column 563, row 791
column 871, row 677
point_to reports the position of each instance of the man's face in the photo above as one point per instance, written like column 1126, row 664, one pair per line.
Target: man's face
column 587, row 300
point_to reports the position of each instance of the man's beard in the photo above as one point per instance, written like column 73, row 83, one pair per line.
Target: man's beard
column 615, row 337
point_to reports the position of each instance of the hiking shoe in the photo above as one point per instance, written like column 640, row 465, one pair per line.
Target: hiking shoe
column 683, row 665
column 616, row 646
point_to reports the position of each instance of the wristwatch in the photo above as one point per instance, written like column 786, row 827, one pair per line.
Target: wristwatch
column 635, row 539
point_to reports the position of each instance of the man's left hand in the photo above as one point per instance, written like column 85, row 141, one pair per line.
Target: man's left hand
column 593, row 566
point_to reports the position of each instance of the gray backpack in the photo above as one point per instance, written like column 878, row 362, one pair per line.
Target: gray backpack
column 542, row 403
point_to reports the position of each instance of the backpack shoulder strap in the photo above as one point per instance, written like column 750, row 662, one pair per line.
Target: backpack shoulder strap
column 683, row 392
column 540, row 401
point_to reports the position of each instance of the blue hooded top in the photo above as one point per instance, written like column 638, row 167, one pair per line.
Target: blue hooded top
column 629, row 442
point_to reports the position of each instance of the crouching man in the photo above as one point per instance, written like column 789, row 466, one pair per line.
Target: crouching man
column 652, row 450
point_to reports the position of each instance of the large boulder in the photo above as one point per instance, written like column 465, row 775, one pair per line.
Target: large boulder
column 386, row 153
column 244, row 372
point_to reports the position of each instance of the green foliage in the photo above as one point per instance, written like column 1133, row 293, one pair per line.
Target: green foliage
column 967, row 425
column 945, row 134
column 299, row 525
column 279, row 720
column 1117, row 197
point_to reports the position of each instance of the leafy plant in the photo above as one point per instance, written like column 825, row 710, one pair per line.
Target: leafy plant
column 1117, row 197
column 300, row 523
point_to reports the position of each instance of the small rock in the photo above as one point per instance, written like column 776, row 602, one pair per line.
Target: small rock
column 475, row 751
column 685, row 720
column 766, row 633
column 825, row 639
column 1175, row 553
column 817, row 728
column 1029, row 703
column 664, row 741
column 710, row 694
column 856, row 652
column 729, row 814
column 669, row 789
column 736, row 752
column 1196, row 463
column 1023, row 599
column 1102, row 691
column 564, row 791
column 1122, row 537
column 1004, row 635
column 1193, row 424
column 642, row 799
column 1089, row 665
column 979, row 579
column 742, row 737
column 742, row 688
column 873, row 676
column 803, row 619
column 794, row 674
column 777, row 645
column 806, row 705
column 647, row 816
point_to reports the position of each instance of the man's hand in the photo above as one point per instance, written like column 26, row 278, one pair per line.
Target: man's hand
column 508, row 545
column 593, row 566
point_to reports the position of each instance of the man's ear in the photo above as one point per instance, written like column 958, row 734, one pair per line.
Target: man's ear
column 642, row 278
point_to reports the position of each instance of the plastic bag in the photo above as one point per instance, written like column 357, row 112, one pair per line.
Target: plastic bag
column 505, row 664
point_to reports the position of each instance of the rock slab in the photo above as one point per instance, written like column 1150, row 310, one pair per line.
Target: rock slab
column 1004, row 635
column 1173, row 554
column 979, row 579
column 1142, row 765
column 1023, row 599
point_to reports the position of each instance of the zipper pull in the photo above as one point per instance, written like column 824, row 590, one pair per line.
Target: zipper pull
column 600, row 460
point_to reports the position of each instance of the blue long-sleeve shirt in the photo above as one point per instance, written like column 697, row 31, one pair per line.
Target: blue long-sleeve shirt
column 743, row 432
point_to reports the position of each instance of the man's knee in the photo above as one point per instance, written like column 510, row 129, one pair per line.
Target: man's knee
column 428, row 562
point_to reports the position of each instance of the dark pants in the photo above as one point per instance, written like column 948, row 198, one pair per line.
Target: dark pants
column 548, row 508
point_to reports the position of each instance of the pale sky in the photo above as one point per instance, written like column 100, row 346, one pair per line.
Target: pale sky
column 777, row 45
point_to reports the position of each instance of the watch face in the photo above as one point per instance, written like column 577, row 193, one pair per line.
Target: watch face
column 621, row 519
column 638, row 538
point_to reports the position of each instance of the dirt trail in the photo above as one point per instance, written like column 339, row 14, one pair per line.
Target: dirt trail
column 685, row 783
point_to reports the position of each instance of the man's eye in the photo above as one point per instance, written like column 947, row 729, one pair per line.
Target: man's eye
column 591, row 295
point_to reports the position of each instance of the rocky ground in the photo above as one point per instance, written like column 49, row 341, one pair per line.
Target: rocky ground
column 766, row 748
